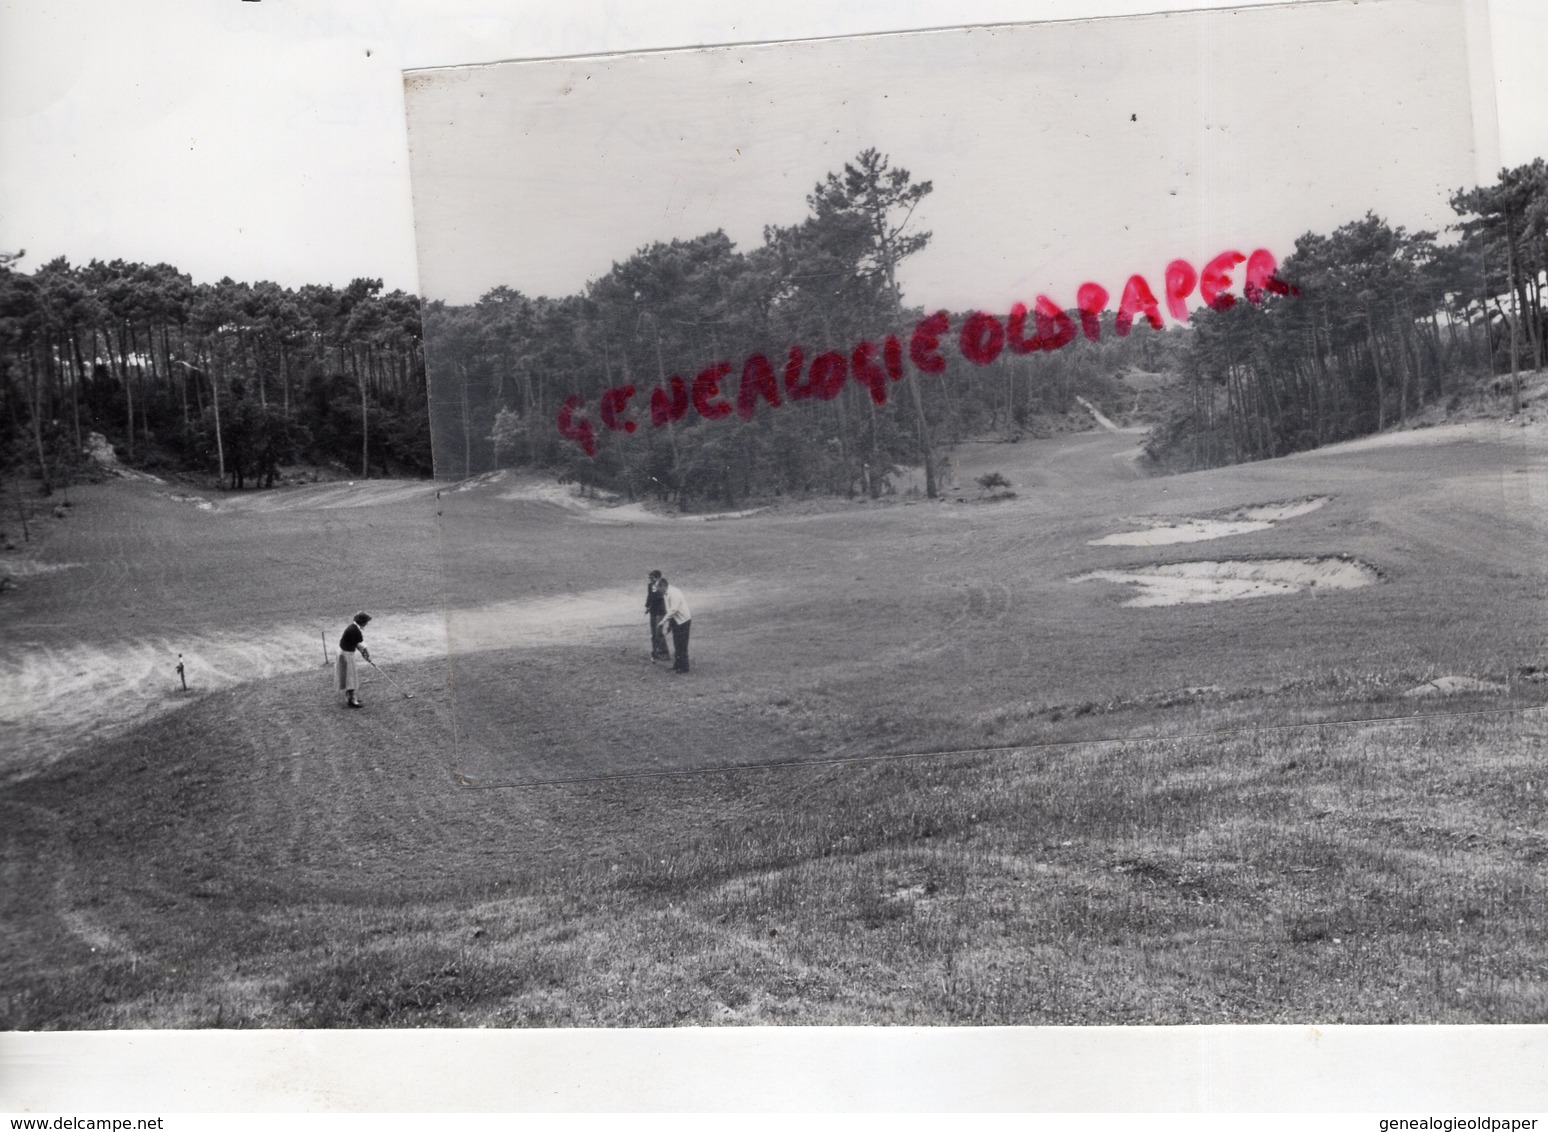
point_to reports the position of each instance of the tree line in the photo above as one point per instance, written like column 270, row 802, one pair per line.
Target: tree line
column 229, row 378
column 508, row 366
column 237, row 379
column 1387, row 322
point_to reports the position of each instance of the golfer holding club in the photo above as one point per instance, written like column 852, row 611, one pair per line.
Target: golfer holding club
column 655, row 610
column 350, row 643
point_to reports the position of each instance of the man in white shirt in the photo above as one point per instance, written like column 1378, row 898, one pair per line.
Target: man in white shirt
column 677, row 619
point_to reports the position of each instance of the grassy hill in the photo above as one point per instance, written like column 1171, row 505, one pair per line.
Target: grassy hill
column 922, row 772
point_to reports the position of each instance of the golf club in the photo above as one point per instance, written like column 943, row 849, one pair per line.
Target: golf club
column 406, row 694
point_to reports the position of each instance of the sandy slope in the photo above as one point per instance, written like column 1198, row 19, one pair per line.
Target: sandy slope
column 53, row 698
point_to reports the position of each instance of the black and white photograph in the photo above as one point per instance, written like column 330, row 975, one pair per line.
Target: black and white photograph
column 1004, row 521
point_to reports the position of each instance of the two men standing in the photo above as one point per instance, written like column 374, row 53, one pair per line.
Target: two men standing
column 668, row 610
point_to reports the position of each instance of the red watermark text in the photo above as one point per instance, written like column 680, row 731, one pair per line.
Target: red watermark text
column 981, row 338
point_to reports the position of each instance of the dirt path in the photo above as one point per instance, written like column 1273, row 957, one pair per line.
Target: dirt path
column 1096, row 415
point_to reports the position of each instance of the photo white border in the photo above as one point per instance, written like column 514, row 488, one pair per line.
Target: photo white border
column 1384, row 1070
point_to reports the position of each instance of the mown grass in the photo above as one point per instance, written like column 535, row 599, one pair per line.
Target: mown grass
column 1147, row 842
column 1331, row 875
column 1372, row 873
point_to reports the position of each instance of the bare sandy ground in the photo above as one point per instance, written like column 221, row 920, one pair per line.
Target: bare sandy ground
column 603, row 509
column 1097, row 415
column 16, row 566
column 1186, row 583
column 1163, row 532
column 54, row 698
column 1464, row 432
column 330, row 496
column 1451, row 686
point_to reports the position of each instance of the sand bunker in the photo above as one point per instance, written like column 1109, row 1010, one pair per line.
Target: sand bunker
column 603, row 509
column 329, row 496
column 483, row 479
column 304, row 497
column 1453, row 686
column 1162, row 532
column 1187, row 583
column 53, row 698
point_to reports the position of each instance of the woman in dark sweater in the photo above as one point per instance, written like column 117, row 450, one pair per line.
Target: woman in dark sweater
column 350, row 643
column 655, row 609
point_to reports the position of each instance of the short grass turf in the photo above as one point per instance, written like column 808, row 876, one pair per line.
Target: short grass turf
column 308, row 869
column 890, row 629
column 1153, row 815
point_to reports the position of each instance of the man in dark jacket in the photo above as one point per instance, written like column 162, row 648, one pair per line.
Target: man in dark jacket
column 655, row 609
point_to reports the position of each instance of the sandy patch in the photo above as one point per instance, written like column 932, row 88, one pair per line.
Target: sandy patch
column 568, row 619
column 1096, row 415
column 331, row 496
column 568, row 498
column 483, row 480
column 1278, row 512
column 100, row 452
column 1161, row 532
column 1469, row 431
column 717, row 516
column 53, row 698
column 1186, row 530
column 1187, row 583
column 30, row 568
column 132, row 474
column 604, row 508
column 1451, row 686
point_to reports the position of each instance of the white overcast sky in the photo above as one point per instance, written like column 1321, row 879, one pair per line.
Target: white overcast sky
column 1058, row 152
column 268, row 139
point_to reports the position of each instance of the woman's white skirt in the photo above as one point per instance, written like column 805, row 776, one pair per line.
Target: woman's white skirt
column 346, row 672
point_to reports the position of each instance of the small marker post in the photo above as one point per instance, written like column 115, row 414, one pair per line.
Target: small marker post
column 327, row 660
column 180, row 673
